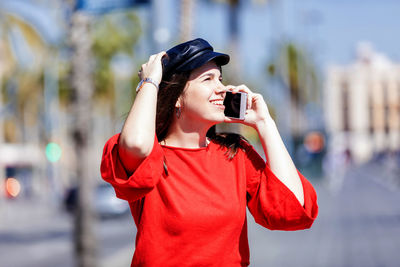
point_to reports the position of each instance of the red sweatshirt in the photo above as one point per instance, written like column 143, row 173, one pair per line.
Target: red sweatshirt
column 196, row 216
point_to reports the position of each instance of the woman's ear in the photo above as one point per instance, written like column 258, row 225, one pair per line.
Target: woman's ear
column 178, row 107
column 179, row 103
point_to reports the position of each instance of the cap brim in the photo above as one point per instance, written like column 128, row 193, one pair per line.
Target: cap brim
column 219, row 58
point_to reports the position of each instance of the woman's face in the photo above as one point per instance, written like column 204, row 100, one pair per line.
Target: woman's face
column 203, row 96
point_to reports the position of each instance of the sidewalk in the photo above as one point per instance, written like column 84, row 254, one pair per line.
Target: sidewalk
column 44, row 233
column 37, row 230
column 16, row 213
column 122, row 258
column 358, row 225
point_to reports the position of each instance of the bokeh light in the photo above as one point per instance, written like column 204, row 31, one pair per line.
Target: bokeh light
column 53, row 152
column 314, row 142
column 13, row 187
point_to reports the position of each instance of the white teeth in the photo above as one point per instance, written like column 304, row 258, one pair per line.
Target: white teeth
column 218, row 102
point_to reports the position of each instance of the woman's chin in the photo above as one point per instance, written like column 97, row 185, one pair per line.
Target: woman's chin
column 219, row 118
column 214, row 118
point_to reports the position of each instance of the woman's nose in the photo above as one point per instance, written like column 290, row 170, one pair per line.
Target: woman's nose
column 220, row 88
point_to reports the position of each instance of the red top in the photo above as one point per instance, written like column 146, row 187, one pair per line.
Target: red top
column 196, row 216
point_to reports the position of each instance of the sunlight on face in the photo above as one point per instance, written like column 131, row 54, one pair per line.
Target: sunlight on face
column 202, row 100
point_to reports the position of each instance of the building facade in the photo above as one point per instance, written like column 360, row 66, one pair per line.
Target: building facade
column 362, row 105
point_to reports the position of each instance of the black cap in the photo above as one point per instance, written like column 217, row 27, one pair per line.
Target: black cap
column 190, row 55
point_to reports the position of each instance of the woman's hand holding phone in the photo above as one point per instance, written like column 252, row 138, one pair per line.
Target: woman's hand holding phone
column 235, row 105
column 256, row 108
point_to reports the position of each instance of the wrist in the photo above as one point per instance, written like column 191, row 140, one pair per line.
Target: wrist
column 144, row 81
column 264, row 123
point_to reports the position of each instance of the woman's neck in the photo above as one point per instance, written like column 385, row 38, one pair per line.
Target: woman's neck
column 186, row 137
column 189, row 140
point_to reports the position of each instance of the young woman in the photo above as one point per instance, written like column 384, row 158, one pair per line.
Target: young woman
column 188, row 187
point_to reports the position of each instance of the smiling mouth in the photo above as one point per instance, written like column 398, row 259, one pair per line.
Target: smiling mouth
column 218, row 103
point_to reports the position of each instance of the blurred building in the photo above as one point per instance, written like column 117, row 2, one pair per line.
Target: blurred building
column 362, row 103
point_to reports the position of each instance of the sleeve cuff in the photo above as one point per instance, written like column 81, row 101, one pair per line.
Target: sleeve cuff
column 144, row 178
column 298, row 216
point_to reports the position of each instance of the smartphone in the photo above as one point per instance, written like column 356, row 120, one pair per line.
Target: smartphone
column 235, row 105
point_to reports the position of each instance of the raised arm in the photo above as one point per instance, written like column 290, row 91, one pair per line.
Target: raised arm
column 278, row 158
column 137, row 135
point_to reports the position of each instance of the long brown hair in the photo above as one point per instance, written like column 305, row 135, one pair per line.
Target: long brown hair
column 170, row 89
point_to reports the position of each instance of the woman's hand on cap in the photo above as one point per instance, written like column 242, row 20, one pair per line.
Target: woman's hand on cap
column 152, row 68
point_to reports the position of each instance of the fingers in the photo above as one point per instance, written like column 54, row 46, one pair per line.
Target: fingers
column 157, row 56
column 244, row 89
column 240, row 88
column 152, row 68
column 152, row 57
column 160, row 55
column 140, row 71
column 230, row 88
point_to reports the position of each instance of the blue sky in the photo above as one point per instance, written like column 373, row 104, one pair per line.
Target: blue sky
column 330, row 28
column 344, row 23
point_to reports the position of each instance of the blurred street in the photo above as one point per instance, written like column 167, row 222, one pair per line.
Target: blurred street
column 358, row 225
column 35, row 234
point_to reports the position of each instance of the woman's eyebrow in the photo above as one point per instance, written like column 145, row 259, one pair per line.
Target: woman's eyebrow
column 207, row 74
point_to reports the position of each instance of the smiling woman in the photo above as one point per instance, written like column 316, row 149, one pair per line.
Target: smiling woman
column 188, row 187
column 202, row 99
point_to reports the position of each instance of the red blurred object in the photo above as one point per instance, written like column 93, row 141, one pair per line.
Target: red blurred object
column 13, row 187
column 314, row 142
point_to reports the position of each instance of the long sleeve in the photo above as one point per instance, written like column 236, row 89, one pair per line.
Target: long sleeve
column 271, row 203
column 143, row 179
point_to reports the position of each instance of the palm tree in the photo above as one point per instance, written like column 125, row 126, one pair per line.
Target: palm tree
column 233, row 33
column 18, row 37
column 101, row 41
column 295, row 71
column 186, row 20
column 81, row 104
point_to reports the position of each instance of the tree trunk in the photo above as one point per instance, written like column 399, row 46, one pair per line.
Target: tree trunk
column 186, row 23
column 233, row 26
column 85, row 242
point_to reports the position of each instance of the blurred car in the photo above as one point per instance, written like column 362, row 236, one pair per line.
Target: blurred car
column 105, row 203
